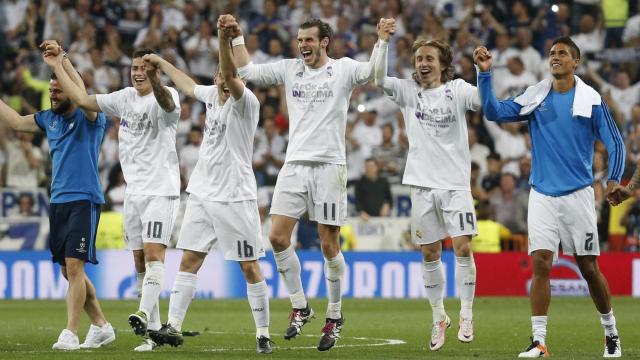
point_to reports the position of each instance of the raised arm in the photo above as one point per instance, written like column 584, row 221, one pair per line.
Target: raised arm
column 380, row 64
column 182, row 81
column 52, row 48
column 16, row 121
column 365, row 72
column 227, row 67
column 162, row 94
column 77, row 95
column 231, row 28
column 499, row 111
column 263, row 74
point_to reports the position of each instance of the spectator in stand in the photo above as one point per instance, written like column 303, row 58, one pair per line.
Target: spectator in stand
column 501, row 55
column 276, row 50
column 253, row 47
column 590, row 39
column 509, row 206
column 631, row 222
column 516, row 80
column 189, row 154
column 525, row 173
column 479, row 152
column 355, row 160
column 202, row 52
column 269, row 152
column 509, row 142
column 366, row 132
column 625, row 94
column 491, row 181
column 477, row 193
column 530, row 57
column 490, row 232
column 115, row 189
column 24, row 161
column 373, row 193
column 25, row 205
column 631, row 34
column 615, row 14
column 390, row 156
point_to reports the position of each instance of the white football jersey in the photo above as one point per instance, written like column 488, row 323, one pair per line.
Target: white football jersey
column 317, row 101
column 147, row 141
column 437, row 130
column 224, row 170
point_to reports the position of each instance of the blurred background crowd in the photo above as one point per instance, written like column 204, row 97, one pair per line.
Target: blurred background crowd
column 100, row 35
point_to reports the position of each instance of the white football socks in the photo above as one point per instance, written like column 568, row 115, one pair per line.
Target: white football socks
column 539, row 328
column 184, row 287
column 258, row 297
column 289, row 268
column 151, row 288
column 333, row 271
column 434, row 282
column 466, row 284
column 608, row 322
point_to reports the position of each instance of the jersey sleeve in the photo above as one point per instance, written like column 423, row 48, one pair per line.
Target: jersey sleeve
column 395, row 89
column 110, row 103
column 266, row 74
column 608, row 133
column 468, row 95
column 205, row 93
column 41, row 118
column 494, row 109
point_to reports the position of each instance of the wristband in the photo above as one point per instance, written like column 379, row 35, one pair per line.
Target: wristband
column 237, row 41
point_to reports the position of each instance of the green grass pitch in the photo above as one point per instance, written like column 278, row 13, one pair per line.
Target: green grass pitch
column 374, row 329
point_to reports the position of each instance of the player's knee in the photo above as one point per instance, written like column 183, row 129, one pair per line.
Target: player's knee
column 462, row 248
column 541, row 266
column 63, row 270
column 74, row 269
column 251, row 271
column 589, row 272
column 279, row 241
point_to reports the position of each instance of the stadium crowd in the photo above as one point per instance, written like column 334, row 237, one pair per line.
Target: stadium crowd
column 99, row 37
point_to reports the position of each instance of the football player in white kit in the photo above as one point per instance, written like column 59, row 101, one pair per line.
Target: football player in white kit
column 148, row 114
column 222, row 209
column 438, row 171
column 313, row 178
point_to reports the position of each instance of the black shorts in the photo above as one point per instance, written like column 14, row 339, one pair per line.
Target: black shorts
column 73, row 226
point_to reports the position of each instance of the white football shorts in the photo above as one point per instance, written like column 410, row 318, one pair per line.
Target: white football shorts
column 438, row 213
column 569, row 220
column 149, row 219
column 231, row 227
column 317, row 188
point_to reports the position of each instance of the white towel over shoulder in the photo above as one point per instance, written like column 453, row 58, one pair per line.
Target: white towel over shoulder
column 585, row 97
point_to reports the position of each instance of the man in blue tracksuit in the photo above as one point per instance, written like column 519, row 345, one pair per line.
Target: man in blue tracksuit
column 76, row 195
column 565, row 118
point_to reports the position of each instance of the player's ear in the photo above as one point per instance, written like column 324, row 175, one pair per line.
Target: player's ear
column 325, row 43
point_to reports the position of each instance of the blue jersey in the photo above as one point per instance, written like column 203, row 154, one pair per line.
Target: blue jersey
column 74, row 145
column 562, row 145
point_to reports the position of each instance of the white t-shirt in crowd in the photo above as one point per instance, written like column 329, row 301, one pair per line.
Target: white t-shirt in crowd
column 317, row 100
column 147, row 141
column 224, row 170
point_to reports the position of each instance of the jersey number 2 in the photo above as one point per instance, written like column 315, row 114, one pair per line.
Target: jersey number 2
column 588, row 244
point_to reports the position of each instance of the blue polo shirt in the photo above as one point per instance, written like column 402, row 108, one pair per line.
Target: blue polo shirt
column 74, row 145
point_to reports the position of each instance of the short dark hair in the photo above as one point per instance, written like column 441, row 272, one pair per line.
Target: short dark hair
column 138, row 53
column 324, row 29
column 446, row 57
column 55, row 77
column 575, row 50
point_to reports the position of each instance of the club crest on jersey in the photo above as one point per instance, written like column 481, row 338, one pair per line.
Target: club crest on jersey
column 419, row 234
column 54, row 125
column 543, row 106
column 448, row 94
column 209, row 105
column 329, row 71
column 299, row 74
